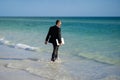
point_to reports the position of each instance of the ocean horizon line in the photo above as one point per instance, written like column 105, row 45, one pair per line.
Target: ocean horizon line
column 60, row 16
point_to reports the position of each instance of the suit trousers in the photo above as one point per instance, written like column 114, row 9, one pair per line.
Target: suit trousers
column 55, row 52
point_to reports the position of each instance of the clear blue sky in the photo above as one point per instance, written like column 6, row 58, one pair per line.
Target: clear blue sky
column 60, row 8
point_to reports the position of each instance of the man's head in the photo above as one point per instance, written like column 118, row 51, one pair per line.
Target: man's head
column 58, row 23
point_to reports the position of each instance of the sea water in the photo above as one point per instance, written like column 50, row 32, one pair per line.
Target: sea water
column 86, row 38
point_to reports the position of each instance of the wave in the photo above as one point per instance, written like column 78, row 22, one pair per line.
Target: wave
column 18, row 45
column 43, row 69
column 26, row 47
column 100, row 58
column 112, row 77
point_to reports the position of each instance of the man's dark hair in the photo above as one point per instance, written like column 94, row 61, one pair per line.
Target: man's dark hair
column 57, row 21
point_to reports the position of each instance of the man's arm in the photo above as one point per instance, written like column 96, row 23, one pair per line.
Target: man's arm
column 47, row 37
column 59, row 36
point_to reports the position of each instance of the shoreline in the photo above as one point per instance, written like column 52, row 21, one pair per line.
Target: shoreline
column 15, row 63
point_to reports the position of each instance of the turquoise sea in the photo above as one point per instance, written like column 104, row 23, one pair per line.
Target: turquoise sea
column 92, row 39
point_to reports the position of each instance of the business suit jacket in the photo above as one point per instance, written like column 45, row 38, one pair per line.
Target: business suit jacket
column 53, row 34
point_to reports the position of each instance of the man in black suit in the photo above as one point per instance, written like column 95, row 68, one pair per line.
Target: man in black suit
column 53, row 34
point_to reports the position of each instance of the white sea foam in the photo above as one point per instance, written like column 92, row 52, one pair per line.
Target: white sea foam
column 3, row 41
column 26, row 47
column 18, row 45
column 6, row 42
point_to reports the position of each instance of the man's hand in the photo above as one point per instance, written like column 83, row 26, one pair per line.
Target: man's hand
column 61, row 43
column 46, row 42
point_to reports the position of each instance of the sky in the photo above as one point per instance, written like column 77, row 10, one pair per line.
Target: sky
column 60, row 8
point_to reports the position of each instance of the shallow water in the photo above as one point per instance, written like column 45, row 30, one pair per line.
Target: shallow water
column 91, row 47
